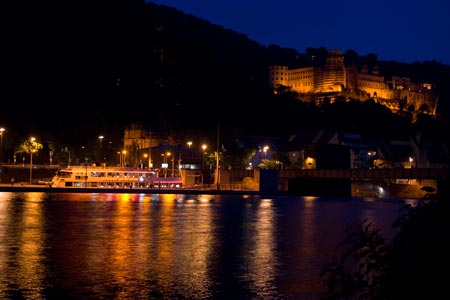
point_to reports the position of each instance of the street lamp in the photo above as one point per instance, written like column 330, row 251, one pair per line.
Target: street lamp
column 86, row 172
column 167, row 161
column 411, row 162
column 1, row 143
column 150, row 164
column 100, row 152
column 31, row 159
column 189, row 144
column 173, row 165
column 203, row 160
column 265, row 151
column 145, row 158
column 124, row 161
column 66, row 149
column 165, row 164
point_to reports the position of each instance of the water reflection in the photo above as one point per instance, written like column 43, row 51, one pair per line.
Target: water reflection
column 153, row 246
column 306, row 224
column 259, row 250
column 193, row 247
column 22, row 250
column 310, row 244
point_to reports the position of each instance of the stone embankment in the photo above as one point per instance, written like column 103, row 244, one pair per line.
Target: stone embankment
column 21, row 173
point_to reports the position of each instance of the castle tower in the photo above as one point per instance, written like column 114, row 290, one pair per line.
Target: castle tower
column 333, row 77
column 352, row 77
column 278, row 75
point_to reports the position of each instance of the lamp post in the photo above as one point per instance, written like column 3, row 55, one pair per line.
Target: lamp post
column 189, row 144
column 66, row 149
column 149, row 155
column 145, row 158
column 120, row 158
column 411, row 162
column 124, row 161
column 179, row 165
column 100, row 152
column 167, row 161
column 164, row 164
column 203, row 157
column 31, row 159
column 86, row 172
column 150, row 165
column 173, row 165
column 1, row 143
column 15, row 157
column 265, row 151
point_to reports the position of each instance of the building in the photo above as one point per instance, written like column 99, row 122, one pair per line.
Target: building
column 337, row 80
column 135, row 136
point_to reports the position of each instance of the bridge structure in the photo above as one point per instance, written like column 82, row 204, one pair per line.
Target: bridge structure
column 378, row 174
column 392, row 182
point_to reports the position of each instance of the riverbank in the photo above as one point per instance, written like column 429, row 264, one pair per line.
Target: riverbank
column 22, row 173
column 359, row 188
column 22, row 187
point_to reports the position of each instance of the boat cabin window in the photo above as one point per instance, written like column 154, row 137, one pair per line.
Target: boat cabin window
column 113, row 174
column 65, row 174
column 98, row 174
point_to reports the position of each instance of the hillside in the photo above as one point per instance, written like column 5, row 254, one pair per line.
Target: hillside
column 171, row 72
column 194, row 74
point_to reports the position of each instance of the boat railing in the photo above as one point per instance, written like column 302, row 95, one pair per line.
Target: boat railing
column 119, row 169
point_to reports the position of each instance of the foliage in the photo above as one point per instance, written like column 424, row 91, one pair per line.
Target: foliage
column 63, row 157
column 413, row 265
column 236, row 156
column 270, row 164
column 133, row 154
column 29, row 146
column 367, row 248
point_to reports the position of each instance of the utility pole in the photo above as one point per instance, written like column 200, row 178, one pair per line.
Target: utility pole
column 173, row 165
column 150, row 150
column 217, row 177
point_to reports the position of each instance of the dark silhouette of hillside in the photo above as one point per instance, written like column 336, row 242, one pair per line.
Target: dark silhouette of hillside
column 175, row 72
column 194, row 74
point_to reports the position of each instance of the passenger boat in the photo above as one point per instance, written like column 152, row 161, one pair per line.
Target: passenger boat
column 111, row 177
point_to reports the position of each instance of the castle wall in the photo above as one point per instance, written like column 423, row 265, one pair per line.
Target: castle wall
column 135, row 135
column 335, row 77
column 302, row 80
column 278, row 75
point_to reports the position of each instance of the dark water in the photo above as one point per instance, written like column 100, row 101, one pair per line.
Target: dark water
column 131, row 246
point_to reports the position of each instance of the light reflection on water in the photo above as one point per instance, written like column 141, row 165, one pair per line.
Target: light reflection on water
column 153, row 246
column 261, row 272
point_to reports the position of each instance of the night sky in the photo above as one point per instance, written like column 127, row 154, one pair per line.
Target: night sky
column 403, row 30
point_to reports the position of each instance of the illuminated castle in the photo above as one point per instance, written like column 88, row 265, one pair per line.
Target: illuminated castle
column 336, row 80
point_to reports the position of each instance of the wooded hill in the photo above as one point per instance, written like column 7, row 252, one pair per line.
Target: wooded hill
column 188, row 73
column 174, row 72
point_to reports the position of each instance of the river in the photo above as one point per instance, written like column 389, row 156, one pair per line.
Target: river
column 167, row 246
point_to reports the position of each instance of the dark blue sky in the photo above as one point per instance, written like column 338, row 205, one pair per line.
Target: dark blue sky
column 402, row 30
